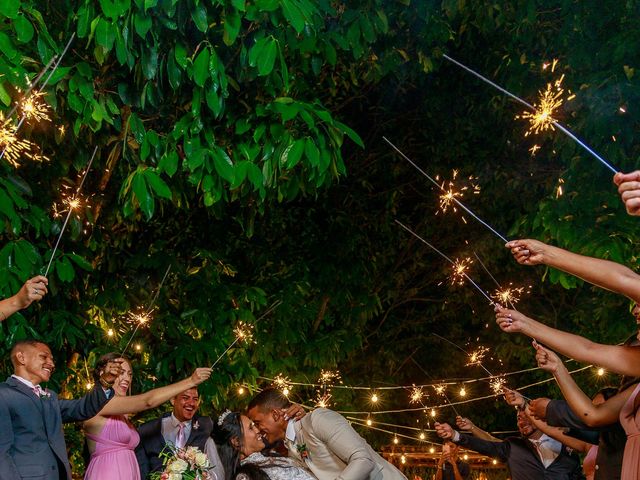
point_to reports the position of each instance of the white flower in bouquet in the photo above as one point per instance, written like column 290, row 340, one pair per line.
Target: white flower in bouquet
column 177, row 466
column 175, row 476
column 202, row 460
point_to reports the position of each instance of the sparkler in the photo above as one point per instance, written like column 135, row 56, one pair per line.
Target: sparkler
column 327, row 380
column 456, row 268
column 30, row 106
column 416, row 395
column 143, row 316
column 453, row 197
column 459, row 271
column 537, row 109
column 13, row 147
column 71, row 203
column 452, row 191
column 498, row 385
column 283, row 383
column 442, row 390
column 477, row 356
column 504, row 296
column 244, row 332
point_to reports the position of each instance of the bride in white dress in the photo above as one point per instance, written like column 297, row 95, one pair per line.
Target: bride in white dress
column 240, row 444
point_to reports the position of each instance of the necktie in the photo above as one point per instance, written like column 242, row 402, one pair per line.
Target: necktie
column 39, row 391
column 180, row 440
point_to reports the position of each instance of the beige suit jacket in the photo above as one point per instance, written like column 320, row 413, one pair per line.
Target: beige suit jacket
column 335, row 451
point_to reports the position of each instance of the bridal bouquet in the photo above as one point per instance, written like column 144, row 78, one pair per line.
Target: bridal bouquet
column 187, row 463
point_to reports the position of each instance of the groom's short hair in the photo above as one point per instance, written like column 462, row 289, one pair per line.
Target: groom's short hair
column 269, row 399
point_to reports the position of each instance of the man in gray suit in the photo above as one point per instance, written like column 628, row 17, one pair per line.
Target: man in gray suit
column 31, row 437
column 323, row 441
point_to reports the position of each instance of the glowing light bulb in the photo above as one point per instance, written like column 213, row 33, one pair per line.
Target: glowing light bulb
column 138, row 347
column 465, row 456
column 494, row 461
column 395, row 440
column 403, row 459
column 433, row 412
column 110, row 332
column 432, row 450
column 374, row 398
column 369, row 422
column 89, row 386
column 463, row 392
column 285, row 392
column 601, row 372
column 422, row 436
column 240, row 390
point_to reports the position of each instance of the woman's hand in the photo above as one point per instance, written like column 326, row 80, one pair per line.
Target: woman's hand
column 527, row 252
column 547, row 360
column 629, row 190
column 294, row 412
column 511, row 321
column 444, row 430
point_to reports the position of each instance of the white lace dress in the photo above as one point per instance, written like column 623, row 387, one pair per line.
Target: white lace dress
column 278, row 468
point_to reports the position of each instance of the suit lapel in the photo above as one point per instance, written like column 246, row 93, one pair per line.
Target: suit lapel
column 25, row 390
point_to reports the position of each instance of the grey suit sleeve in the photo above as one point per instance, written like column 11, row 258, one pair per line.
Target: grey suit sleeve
column 340, row 437
column 83, row 408
column 214, row 459
column 498, row 450
column 8, row 468
column 559, row 414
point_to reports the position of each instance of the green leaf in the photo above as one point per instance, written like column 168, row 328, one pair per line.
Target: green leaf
column 294, row 153
column 64, row 269
column 201, row 67
column 145, row 199
column 181, row 55
column 350, row 133
column 293, row 14
column 169, row 163
column 85, row 15
column 9, row 8
column 223, row 164
column 105, row 34
column 231, row 26
column 150, row 62
column 142, row 24
column 312, row 153
column 6, row 46
column 157, row 184
column 267, row 58
column 199, row 16
column 4, row 96
column 256, row 50
column 173, row 72
column 80, row 261
column 24, row 29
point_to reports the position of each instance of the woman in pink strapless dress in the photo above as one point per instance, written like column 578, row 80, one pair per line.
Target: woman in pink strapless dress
column 114, row 457
column 630, row 421
column 110, row 436
column 589, row 463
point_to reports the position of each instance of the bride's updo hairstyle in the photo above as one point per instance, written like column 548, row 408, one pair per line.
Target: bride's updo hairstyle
column 229, row 437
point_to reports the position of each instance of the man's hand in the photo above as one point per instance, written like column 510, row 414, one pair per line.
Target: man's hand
column 444, row 430
column 294, row 412
column 200, row 375
column 33, row 290
column 513, row 398
column 111, row 372
column 629, row 190
column 464, row 424
column 547, row 360
column 538, row 408
column 527, row 251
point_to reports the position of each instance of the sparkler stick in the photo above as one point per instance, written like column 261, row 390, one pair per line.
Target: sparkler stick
column 143, row 317
column 447, row 259
column 458, row 202
column 509, row 295
column 71, row 207
column 561, row 127
column 245, row 334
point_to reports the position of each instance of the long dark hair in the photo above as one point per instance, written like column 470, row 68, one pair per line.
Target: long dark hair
column 223, row 434
column 103, row 361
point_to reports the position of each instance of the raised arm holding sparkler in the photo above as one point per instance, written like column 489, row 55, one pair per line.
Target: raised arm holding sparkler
column 592, row 415
column 33, row 290
column 603, row 273
column 616, row 358
column 629, row 188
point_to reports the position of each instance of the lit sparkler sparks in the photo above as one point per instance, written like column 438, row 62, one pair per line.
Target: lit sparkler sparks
column 451, row 191
column 459, row 271
column 34, row 108
column 440, row 389
column 558, row 125
column 498, row 385
column 477, row 356
column 282, row 382
column 510, row 295
column 416, row 395
column 14, row 148
column 549, row 101
column 323, row 401
column 244, row 332
column 328, row 378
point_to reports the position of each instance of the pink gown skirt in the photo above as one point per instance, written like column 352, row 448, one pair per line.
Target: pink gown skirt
column 114, row 457
column 630, row 420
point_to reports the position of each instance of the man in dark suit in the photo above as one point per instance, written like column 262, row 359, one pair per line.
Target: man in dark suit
column 31, row 437
column 182, row 428
column 532, row 456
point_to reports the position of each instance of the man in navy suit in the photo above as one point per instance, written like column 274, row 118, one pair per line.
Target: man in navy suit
column 182, row 428
column 31, row 437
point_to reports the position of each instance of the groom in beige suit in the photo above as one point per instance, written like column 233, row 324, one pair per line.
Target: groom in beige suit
column 323, row 441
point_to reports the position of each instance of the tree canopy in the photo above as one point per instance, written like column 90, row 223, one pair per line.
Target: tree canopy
column 240, row 142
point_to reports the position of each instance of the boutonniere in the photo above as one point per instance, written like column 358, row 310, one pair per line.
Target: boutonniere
column 303, row 451
column 41, row 392
column 195, row 425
